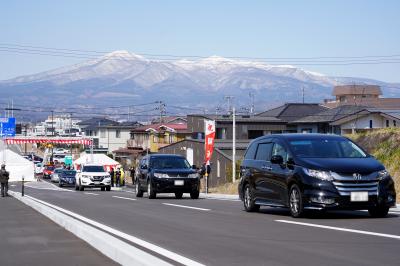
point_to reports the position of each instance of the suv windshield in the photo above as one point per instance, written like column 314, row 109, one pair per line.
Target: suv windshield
column 326, row 148
column 93, row 168
column 69, row 172
column 169, row 163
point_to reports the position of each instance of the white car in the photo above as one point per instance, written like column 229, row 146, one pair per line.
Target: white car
column 55, row 176
column 60, row 151
column 93, row 176
column 39, row 168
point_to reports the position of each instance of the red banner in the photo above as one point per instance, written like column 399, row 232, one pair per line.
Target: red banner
column 209, row 139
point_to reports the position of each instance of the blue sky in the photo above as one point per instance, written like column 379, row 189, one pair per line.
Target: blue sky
column 225, row 28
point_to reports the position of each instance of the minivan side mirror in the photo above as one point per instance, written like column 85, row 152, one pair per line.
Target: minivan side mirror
column 277, row 159
column 194, row 167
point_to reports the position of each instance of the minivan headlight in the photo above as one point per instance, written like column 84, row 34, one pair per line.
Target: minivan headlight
column 160, row 175
column 383, row 174
column 194, row 175
column 323, row 175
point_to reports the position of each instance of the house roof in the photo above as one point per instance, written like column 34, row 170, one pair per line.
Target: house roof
column 356, row 90
column 330, row 115
column 293, row 111
column 157, row 127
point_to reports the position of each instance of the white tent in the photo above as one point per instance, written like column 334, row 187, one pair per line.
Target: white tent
column 102, row 159
column 17, row 165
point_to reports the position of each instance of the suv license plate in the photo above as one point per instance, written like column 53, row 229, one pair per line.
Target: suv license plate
column 359, row 196
column 178, row 182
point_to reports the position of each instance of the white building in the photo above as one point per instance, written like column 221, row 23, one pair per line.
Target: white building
column 63, row 125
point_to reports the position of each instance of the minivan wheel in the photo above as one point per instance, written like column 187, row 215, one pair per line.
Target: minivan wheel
column 379, row 211
column 296, row 202
column 195, row 194
column 178, row 195
column 150, row 191
column 139, row 192
column 249, row 199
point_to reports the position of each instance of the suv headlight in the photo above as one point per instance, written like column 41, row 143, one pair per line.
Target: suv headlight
column 160, row 175
column 107, row 176
column 194, row 175
column 86, row 176
column 383, row 174
column 323, row 175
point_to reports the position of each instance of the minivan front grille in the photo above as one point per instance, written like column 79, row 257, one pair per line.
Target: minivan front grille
column 345, row 183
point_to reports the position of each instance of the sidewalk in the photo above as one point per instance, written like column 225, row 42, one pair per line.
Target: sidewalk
column 28, row 238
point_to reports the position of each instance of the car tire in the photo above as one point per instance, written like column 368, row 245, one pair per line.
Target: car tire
column 150, row 191
column 108, row 188
column 81, row 188
column 296, row 202
column 138, row 191
column 249, row 199
column 60, row 185
column 378, row 211
column 76, row 187
column 103, row 188
column 195, row 194
column 178, row 195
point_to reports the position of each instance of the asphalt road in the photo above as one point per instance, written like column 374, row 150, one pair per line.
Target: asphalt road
column 220, row 232
column 29, row 238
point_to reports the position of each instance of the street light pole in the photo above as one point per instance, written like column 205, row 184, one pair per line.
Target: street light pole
column 233, row 145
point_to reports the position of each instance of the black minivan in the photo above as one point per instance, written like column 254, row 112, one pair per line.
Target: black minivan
column 313, row 172
column 166, row 173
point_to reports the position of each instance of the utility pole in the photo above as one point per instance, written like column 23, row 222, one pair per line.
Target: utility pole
column 233, row 145
column 251, row 94
column 302, row 92
column 162, row 110
column 229, row 98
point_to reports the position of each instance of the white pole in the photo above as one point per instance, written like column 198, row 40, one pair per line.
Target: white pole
column 233, row 145
column 91, row 151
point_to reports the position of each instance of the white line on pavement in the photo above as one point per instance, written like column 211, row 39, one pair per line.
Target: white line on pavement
column 340, row 229
column 157, row 249
column 127, row 191
column 90, row 193
column 123, row 198
column 188, row 207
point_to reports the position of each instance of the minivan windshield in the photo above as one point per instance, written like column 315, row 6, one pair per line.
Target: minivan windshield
column 93, row 168
column 326, row 148
column 169, row 163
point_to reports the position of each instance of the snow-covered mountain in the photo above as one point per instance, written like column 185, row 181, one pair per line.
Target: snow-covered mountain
column 123, row 77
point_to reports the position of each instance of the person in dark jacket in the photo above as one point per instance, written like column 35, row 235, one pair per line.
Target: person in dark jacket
column 112, row 176
column 4, row 176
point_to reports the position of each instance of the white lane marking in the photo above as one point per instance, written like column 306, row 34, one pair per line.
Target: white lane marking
column 157, row 249
column 123, row 198
column 341, row 229
column 188, row 207
column 90, row 193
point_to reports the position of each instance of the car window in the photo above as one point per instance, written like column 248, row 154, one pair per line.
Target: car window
column 251, row 152
column 93, row 168
column 170, row 163
column 326, row 148
column 264, row 151
column 278, row 149
column 72, row 172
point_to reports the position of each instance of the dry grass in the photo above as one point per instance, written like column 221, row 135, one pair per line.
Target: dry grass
column 384, row 144
column 228, row 188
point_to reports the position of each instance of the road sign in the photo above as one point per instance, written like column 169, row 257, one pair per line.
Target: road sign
column 68, row 160
column 7, row 127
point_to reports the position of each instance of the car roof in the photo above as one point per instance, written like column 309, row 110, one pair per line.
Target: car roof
column 302, row 136
column 165, row 156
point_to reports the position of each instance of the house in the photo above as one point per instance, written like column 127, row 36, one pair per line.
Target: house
column 346, row 119
column 365, row 95
column 108, row 135
column 62, row 125
column 154, row 136
column 221, row 160
column 273, row 121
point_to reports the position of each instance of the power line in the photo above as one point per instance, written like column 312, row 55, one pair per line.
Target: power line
column 305, row 61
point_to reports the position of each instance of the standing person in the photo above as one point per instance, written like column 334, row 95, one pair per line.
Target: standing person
column 112, row 176
column 4, row 175
column 118, row 177
column 122, row 177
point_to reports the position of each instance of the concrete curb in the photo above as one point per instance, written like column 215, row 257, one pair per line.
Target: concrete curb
column 219, row 196
column 110, row 246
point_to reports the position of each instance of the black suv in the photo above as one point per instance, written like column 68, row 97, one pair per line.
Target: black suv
column 165, row 173
column 313, row 172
